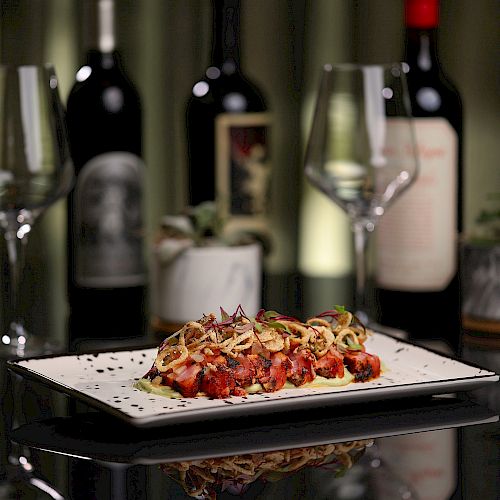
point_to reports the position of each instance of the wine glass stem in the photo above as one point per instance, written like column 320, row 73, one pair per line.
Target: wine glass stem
column 360, row 245
column 16, row 249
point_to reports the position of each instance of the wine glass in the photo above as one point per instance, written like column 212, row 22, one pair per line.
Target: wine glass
column 35, row 170
column 361, row 150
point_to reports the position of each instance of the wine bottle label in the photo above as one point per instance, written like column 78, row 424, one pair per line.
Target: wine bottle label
column 243, row 168
column 108, row 222
column 426, row 462
column 416, row 239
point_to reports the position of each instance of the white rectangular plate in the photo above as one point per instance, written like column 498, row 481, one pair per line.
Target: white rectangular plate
column 105, row 380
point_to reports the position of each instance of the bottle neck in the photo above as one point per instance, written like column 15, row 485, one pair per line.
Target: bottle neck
column 102, row 51
column 421, row 49
column 421, row 21
column 105, row 60
column 226, row 35
column 106, row 40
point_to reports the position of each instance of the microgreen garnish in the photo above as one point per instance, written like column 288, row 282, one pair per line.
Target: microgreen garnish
column 271, row 314
column 226, row 319
column 224, row 315
column 278, row 326
column 353, row 346
column 262, row 319
column 272, row 319
column 333, row 314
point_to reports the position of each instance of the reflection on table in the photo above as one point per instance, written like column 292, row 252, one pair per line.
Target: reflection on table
column 436, row 448
column 285, row 455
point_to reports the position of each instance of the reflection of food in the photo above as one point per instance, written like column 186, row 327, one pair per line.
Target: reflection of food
column 242, row 354
column 201, row 478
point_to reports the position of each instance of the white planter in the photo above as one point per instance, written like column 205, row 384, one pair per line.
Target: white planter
column 481, row 281
column 202, row 279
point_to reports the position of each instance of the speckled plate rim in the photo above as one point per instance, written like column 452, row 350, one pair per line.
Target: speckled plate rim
column 94, row 378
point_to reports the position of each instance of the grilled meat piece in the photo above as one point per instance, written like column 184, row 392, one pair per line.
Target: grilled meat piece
column 330, row 365
column 244, row 371
column 187, row 379
column 275, row 376
column 362, row 365
column 218, row 383
column 152, row 373
column 261, row 365
column 301, row 370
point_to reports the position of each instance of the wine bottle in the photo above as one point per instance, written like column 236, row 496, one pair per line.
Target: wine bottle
column 228, row 131
column 106, row 272
column 425, row 461
column 417, row 271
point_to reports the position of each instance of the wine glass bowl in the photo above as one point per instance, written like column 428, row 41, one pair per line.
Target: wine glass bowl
column 35, row 171
column 361, row 149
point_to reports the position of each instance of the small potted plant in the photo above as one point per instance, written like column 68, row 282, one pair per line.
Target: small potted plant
column 197, row 267
column 481, row 266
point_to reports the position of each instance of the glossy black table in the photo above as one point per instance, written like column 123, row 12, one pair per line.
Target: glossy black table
column 439, row 447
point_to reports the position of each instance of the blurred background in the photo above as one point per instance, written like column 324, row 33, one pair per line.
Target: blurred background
column 165, row 47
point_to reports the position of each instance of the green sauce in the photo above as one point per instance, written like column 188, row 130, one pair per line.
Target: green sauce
column 326, row 382
column 161, row 390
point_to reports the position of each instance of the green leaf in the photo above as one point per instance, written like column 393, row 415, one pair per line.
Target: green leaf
column 271, row 314
column 258, row 327
column 340, row 309
column 224, row 315
column 353, row 346
column 277, row 325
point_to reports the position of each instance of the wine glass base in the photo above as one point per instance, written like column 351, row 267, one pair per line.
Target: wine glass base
column 18, row 343
column 20, row 481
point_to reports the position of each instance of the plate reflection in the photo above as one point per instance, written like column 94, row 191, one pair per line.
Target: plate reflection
column 203, row 479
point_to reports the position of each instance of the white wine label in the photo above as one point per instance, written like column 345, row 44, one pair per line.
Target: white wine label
column 416, row 239
column 243, row 167
column 425, row 462
column 108, row 222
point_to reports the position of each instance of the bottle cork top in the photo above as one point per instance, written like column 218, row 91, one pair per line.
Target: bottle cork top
column 423, row 14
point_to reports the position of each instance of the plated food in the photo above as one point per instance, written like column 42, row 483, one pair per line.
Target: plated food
column 203, row 478
column 239, row 354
